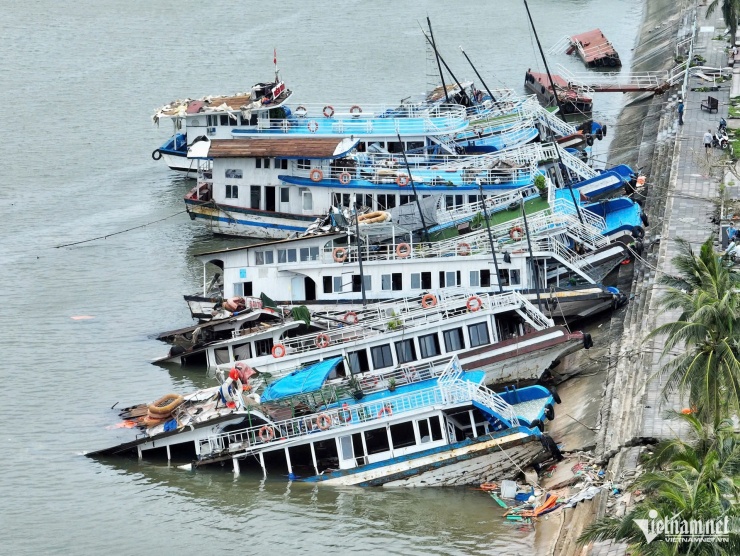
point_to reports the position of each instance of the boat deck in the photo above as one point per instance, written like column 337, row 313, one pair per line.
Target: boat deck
column 595, row 49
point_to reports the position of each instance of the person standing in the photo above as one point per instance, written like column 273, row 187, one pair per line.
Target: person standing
column 680, row 111
column 708, row 140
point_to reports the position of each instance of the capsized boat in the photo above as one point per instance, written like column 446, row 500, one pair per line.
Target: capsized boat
column 432, row 429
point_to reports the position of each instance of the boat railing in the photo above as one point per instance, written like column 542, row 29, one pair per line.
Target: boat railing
column 549, row 119
column 404, row 314
column 460, row 391
column 492, row 204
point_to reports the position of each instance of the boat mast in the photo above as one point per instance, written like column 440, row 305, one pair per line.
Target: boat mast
column 413, row 188
column 439, row 56
column 490, row 94
column 359, row 251
column 531, row 257
column 436, row 54
column 490, row 237
column 560, row 109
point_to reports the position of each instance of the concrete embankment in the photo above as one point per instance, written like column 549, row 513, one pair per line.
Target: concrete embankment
column 630, row 412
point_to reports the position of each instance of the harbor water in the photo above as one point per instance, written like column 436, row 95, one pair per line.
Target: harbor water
column 80, row 83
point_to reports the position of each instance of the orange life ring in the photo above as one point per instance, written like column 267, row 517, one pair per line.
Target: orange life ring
column 339, row 254
column 313, row 126
column 328, row 111
column 355, row 110
column 323, row 421
column 267, row 433
column 278, row 351
column 463, row 249
column 351, row 318
column 403, row 250
column 300, row 111
column 428, row 301
column 385, row 410
column 516, row 233
column 474, row 303
column 345, row 178
column 345, row 415
column 316, row 175
column 322, row 341
column 402, row 180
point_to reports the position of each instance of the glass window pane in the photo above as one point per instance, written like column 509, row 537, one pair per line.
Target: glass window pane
column 416, row 281
column 282, row 256
column 337, row 283
column 269, row 257
column 474, row 278
column 291, row 255
column 385, row 282
column 284, row 194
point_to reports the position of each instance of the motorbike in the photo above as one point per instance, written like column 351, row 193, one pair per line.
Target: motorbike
column 720, row 138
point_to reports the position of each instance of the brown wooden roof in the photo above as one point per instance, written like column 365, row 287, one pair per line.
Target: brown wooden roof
column 273, row 148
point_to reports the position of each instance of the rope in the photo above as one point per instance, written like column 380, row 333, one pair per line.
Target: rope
column 511, row 460
column 116, row 233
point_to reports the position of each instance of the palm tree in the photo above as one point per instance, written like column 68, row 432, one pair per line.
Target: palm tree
column 697, row 480
column 730, row 12
column 708, row 369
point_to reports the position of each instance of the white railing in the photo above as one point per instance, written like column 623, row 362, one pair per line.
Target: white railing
column 535, row 317
column 645, row 80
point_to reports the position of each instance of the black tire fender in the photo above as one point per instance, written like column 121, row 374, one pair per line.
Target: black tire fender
column 551, row 446
column 644, row 219
column 549, row 412
column 555, row 395
column 588, row 342
column 589, row 140
column 603, row 129
column 156, row 155
column 537, row 424
column 638, row 232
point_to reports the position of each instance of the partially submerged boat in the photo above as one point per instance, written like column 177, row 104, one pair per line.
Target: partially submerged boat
column 573, row 100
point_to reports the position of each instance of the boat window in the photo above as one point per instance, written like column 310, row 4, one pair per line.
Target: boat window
column 472, row 199
column 309, row 254
column 255, row 193
column 414, row 145
column 356, row 283
column 303, row 164
column 269, row 198
column 232, row 191
column 394, row 147
column 436, row 428
column 282, row 164
column 341, row 200
column 485, row 278
column 232, row 173
column 345, row 442
column 258, row 163
column 264, row 257
column 453, row 340
column 365, row 201
column 307, row 201
column 376, row 441
column 332, row 284
column 405, row 351
column 405, row 199
column 449, row 279
column 392, row 282
column 382, row 357
column 243, row 351
column 266, row 163
column 474, row 278
column 247, row 288
column 358, row 361
column 338, row 283
column 222, row 355
column 429, row 345
column 402, row 434
column 424, row 435
column 503, row 277
column 327, row 284
column 224, row 119
column 285, row 194
column 415, row 281
column 386, row 202
column 478, row 334
column 515, row 278
column 262, row 347
column 287, row 255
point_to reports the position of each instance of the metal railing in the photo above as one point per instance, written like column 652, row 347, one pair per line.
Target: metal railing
column 449, row 390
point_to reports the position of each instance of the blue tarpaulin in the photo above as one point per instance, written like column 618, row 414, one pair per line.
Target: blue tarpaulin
column 302, row 381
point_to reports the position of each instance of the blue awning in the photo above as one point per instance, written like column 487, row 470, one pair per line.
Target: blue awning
column 302, row 381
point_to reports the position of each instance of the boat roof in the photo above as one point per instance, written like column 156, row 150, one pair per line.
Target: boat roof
column 220, row 103
column 303, row 381
column 304, row 147
column 595, row 44
column 327, row 235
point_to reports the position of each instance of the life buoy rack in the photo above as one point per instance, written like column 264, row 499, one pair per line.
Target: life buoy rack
column 328, row 111
column 351, row 318
column 316, row 175
column 385, row 410
column 403, row 250
column 516, row 233
column 164, row 405
column 428, row 301
column 322, row 341
column 474, row 303
column 345, row 178
column 313, row 126
column 345, row 415
column 355, row 110
column 267, row 434
column 339, row 254
column 463, row 249
column 300, row 111
column 278, row 351
column 156, row 154
column 402, row 180
column 323, row 421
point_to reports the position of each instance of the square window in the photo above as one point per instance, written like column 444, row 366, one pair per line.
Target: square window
column 405, row 352
column 453, row 340
column 429, row 345
column 415, row 281
column 285, row 194
column 259, row 258
column 269, row 257
column 474, row 279
column 337, row 283
column 515, row 278
column 282, row 256
column 258, row 163
column 478, row 334
column 292, row 255
column 304, row 254
column 385, row 282
column 450, row 279
column 381, row 356
column 255, row 194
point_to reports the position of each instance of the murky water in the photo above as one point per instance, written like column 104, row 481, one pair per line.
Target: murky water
column 79, row 84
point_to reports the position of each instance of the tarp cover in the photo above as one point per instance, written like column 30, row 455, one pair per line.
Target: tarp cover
column 302, row 381
column 407, row 216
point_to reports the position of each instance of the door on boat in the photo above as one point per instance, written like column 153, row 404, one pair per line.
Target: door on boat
column 350, row 445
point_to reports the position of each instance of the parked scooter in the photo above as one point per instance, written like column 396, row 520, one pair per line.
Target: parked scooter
column 719, row 138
